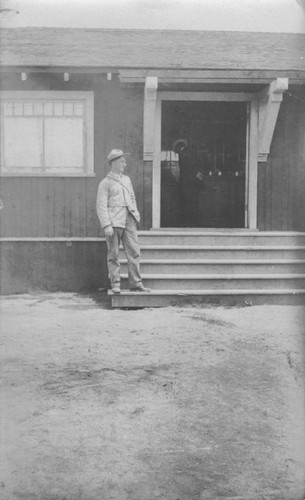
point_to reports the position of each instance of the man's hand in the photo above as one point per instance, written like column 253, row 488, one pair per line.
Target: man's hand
column 108, row 230
column 200, row 176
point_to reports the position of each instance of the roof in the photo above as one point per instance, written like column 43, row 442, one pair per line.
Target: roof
column 113, row 48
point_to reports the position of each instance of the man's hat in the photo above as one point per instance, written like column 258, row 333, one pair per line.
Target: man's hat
column 179, row 145
column 116, row 153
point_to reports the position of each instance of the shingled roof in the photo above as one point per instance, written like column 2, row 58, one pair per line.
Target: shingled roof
column 113, row 48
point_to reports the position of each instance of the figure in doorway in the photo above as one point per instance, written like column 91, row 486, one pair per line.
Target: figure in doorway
column 190, row 181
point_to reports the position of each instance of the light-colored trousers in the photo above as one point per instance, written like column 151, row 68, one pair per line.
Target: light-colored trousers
column 129, row 238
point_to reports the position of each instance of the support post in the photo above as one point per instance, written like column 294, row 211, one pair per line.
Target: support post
column 251, row 223
column 150, row 99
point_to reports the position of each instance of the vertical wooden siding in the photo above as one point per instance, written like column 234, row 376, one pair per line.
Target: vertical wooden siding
column 65, row 206
column 281, row 182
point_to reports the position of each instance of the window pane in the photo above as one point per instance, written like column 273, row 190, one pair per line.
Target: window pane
column 78, row 109
column 8, row 109
column 64, row 142
column 28, row 108
column 68, row 108
column 48, row 108
column 22, row 142
column 58, row 109
column 18, row 109
column 37, row 108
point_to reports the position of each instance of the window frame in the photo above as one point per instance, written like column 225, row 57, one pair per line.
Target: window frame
column 88, row 124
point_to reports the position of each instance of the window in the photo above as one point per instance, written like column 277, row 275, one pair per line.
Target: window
column 47, row 133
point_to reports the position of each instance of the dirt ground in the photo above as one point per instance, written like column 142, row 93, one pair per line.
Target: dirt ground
column 188, row 403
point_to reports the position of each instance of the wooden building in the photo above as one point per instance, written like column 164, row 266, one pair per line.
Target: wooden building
column 68, row 96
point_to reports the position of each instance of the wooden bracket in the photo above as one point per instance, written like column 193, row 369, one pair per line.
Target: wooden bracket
column 150, row 99
column 269, row 105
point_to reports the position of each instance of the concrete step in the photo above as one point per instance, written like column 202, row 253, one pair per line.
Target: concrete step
column 220, row 281
column 220, row 252
column 163, row 298
column 187, row 266
column 190, row 238
column 218, row 266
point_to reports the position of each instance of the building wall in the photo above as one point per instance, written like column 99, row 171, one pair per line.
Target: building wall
column 39, row 264
column 65, row 206
column 49, row 208
column 281, row 182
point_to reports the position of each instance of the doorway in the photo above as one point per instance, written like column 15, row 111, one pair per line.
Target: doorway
column 203, row 164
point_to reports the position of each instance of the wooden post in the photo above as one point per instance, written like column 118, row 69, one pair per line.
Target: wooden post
column 156, row 174
column 252, row 167
column 150, row 97
column 269, row 106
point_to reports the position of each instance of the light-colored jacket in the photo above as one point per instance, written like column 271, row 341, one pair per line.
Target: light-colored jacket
column 114, row 197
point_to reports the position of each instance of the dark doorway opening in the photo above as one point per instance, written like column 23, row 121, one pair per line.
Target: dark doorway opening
column 203, row 164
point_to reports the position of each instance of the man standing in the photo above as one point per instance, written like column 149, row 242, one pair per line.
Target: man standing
column 118, row 214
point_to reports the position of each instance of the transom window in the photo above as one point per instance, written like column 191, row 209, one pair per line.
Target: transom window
column 47, row 133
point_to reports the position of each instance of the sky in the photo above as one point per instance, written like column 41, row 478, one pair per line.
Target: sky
column 235, row 15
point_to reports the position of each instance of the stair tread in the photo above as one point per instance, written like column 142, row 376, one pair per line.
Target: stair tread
column 219, row 276
column 220, row 232
column 219, row 261
column 221, row 247
column 260, row 251
column 213, row 292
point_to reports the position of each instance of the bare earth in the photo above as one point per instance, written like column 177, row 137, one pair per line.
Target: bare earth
column 187, row 403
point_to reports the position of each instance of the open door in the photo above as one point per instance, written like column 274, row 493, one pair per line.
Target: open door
column 203, row 164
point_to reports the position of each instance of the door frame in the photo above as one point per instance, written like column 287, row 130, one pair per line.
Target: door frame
column 251, row 156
